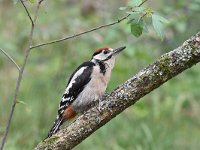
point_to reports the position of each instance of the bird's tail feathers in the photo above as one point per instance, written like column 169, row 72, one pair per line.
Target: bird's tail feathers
column 56, row 126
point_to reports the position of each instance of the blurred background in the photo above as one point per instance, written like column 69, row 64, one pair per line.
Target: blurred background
column 167, row 118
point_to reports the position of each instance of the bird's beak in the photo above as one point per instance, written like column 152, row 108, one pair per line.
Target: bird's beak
column 115, row 52
column 118, row 50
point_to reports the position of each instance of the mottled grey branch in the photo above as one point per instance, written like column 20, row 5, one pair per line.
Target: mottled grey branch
column 166, row 67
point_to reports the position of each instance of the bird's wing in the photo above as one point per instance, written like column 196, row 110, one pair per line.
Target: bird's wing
column 76, row 84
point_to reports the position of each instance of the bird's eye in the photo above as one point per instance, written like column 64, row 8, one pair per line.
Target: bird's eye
column 106, row 52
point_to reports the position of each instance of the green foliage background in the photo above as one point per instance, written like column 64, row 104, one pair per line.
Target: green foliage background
column 167, row 118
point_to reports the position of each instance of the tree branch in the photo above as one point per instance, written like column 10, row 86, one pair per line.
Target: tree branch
column 11, row 59
column 76, row 35
column 27, row 12
column 27, row 52
column 87, row 31
column 166, row 67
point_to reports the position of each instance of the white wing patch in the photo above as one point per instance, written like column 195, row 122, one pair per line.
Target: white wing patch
column 77, row 74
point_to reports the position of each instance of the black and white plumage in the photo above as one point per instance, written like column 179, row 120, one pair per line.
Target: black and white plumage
column 87, row 84
column 76, row 84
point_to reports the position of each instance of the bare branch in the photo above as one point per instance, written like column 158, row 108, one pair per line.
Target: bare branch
column 166, row 67
column 75, row 35
column 87, row 31
column 27, row 52
column 11, row 59
column 27, row 12
column 142, row 3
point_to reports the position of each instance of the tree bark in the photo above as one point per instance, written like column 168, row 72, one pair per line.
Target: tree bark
column 166, row 67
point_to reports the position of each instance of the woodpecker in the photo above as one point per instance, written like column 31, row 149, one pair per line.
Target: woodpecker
column 86, row 85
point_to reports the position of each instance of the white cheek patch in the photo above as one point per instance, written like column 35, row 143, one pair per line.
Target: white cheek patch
column 99, row 56
column 110, row 49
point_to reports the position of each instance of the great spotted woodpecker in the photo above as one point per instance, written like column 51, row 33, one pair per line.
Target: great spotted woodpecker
column 86, row 85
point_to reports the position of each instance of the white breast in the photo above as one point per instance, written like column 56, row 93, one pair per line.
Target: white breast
column 94, row 89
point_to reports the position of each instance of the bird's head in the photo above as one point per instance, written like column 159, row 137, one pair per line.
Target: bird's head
column 106, row 54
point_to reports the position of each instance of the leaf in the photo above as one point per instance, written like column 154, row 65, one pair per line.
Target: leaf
column 145, row 28
column 137, row 10
column 130, row 20
column 158, row 24
column 133, row 13
column 21, row 102
column 137, row 27
column 162, row 19
column 136, row 2
column 123, row 8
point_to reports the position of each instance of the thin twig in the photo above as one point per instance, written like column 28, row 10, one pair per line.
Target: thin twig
column 142, row 3
column 27, row 52
column 27, row 11
column 87, row 31
column 11, row 59
column 143, row 16
column 75, row 35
